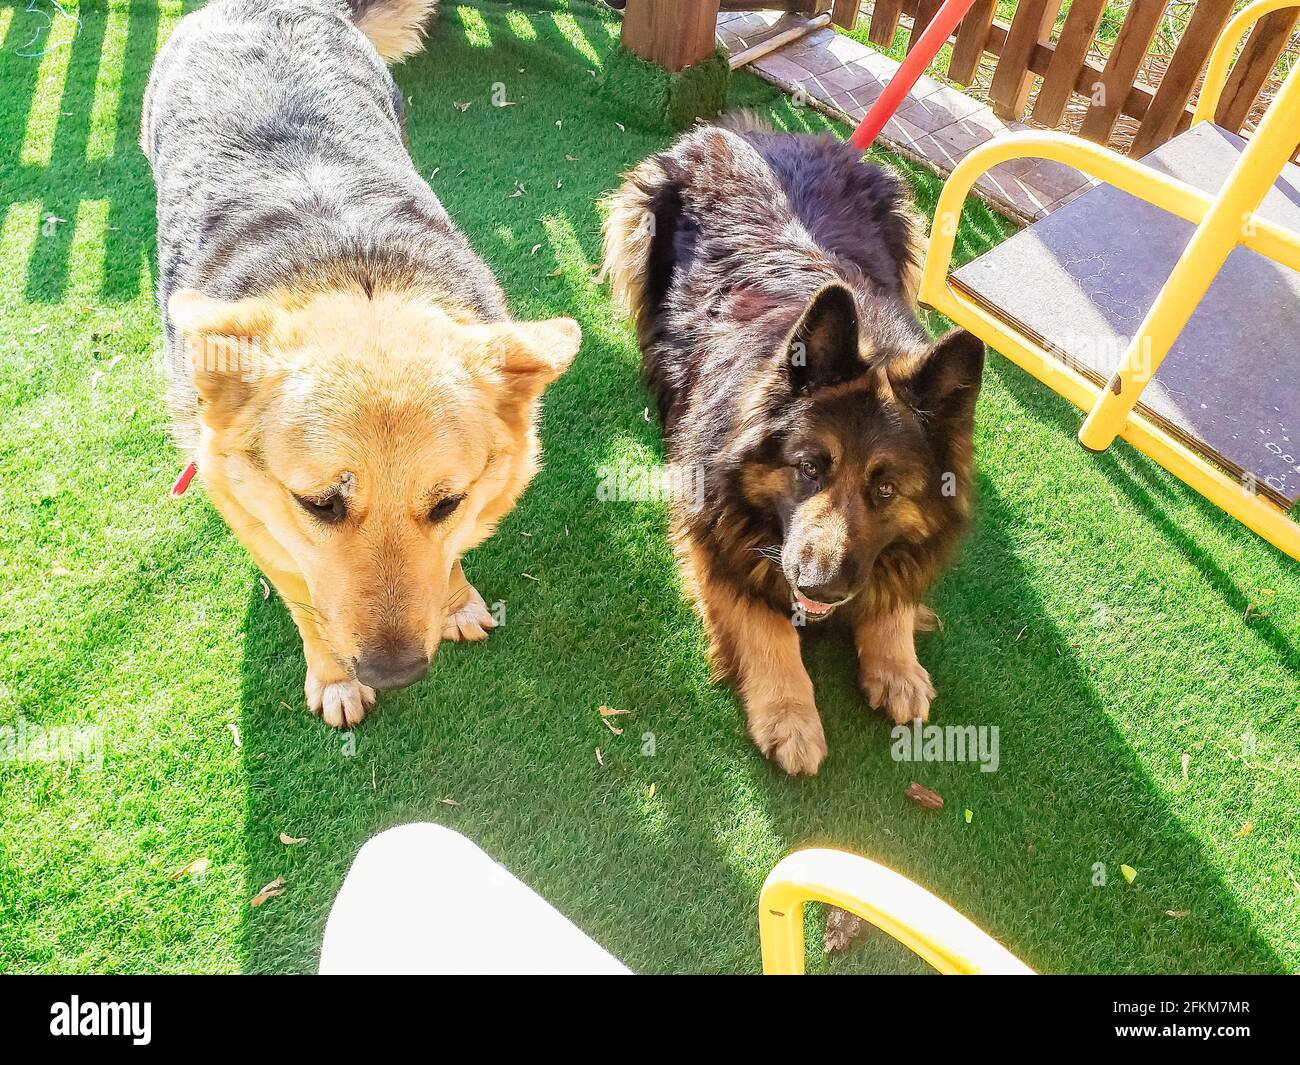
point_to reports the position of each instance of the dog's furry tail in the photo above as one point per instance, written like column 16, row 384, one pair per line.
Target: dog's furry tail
column 641, row 219
column 395, row 27
column 744, row 120
column 630, row 231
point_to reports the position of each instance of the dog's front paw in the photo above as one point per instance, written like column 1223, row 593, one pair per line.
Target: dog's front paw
column 790, row 734
column 468, row 618
column 342, row 703
column 901, row 689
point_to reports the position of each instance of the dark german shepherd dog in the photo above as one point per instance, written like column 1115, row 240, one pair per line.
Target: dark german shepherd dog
column 772, row 278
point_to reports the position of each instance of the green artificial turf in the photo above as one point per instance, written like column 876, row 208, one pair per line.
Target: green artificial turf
column 644, row 91
column 1108, row 621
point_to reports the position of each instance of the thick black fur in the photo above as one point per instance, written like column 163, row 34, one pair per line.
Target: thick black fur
column 765, row 244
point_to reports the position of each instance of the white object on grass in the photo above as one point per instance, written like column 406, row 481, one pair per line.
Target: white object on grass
column 421, row 898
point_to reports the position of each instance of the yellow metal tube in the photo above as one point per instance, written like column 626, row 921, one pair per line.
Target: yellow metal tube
column 1223, row 228
column 923, row 923
column 1254, row 511
column 1177, row 197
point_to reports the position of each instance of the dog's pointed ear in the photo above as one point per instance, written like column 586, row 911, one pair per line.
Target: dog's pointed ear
column 943, row 381
column 822, row 349
column 225, row 346
column 530, row 355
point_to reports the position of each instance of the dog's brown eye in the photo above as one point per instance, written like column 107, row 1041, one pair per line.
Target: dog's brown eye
column 443, row 509
column 810, row 470
column 331, row 510
column 885, row 490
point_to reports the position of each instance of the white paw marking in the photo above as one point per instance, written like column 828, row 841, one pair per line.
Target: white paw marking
column 471, row 622
column 342, row 703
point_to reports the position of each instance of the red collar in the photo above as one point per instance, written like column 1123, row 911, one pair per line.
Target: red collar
column 183, row 481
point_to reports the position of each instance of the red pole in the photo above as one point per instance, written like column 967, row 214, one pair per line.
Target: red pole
column 913, row 65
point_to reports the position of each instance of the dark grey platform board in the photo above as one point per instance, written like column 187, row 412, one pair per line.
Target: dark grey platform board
column 1081, row 280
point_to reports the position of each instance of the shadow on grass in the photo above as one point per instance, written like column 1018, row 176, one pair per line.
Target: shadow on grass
column 50, row 61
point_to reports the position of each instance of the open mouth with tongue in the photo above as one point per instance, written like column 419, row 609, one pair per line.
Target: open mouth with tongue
column 812, row 609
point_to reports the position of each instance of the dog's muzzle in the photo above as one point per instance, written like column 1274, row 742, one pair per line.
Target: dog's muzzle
column 813, row 610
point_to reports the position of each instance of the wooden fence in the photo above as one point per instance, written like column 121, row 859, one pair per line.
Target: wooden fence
column 1024, row 50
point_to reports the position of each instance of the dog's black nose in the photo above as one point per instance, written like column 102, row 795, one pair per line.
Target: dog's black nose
column 389, row 670
column 830, row 592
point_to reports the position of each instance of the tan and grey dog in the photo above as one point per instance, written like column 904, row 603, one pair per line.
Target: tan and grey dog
column 772, row 278
column 344, row 370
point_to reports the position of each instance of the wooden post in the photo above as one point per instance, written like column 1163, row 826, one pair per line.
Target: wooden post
column 1069, row 56
column 1013, row 79
column 1169, row 107
column 845, row 13
column 673, row 33
column 1126, row 56
column 972, row 37
column 884, row 22
column 1253, row 66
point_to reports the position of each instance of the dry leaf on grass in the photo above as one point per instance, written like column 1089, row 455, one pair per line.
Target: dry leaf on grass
column 275, row 887
column 600, row 756
column 1178, row 913
column 611, row 726
column 449, row 802
column 923, row 796
column 842, row 928
column 291, row 841
column 1187, row 761
column 609, row 711
column 1246, row 829
column 234, row 732
column 196, row 868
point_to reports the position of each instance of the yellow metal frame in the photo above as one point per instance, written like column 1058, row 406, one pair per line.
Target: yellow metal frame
column 1222, row 222
column 923, row 923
